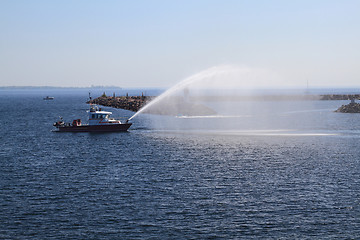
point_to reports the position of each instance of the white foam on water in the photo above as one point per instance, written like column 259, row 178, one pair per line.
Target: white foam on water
column 269, row 132
column 214, row 116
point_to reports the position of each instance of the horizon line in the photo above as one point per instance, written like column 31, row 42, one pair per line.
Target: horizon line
column 118, row 87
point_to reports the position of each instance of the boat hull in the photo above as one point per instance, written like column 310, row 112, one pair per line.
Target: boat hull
column 96, row 128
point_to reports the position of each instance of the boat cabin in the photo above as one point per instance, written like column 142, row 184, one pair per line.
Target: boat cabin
column 99, row 117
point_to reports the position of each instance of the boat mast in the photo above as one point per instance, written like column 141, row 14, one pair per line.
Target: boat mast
column 90, row 98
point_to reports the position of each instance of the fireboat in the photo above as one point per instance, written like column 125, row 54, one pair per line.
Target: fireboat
column 99, row 121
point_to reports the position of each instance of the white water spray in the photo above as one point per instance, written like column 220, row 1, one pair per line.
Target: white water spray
column 235, row 98
column 197, row 81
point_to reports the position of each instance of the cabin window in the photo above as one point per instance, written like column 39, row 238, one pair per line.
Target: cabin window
column 99, row 116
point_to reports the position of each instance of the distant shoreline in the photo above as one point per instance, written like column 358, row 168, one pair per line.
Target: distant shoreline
column 287, row 91
column 52, row 87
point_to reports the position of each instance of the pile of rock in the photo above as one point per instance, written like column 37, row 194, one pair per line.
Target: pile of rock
column 339, row 96
column 349, row 108
column 133, row 103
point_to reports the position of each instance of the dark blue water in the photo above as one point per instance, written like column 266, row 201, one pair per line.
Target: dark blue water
column 293, row 178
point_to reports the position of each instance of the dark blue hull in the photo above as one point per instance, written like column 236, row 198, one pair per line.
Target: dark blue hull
column 96, row 128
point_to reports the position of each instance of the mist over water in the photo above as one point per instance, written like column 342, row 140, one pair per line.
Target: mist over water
column 216, row 83
column 233, row 98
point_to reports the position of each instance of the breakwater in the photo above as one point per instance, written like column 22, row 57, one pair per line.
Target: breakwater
column 131, row 103
column 339, row 96
column 135, row 103
column 349, row 108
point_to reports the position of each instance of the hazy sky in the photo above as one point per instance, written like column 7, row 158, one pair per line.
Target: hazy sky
column 151, row 43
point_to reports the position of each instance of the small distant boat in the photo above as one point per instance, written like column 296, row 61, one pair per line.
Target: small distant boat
column 99, row 121
column 48, row 98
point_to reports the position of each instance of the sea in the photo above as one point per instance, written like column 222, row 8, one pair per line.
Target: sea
column 269, row 170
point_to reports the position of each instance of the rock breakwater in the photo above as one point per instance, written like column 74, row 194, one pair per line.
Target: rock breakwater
column 131, row 103
column 135, row 103
column 339, row 96
column 349, row 108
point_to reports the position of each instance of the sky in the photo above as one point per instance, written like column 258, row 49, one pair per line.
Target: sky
column 157, row 43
